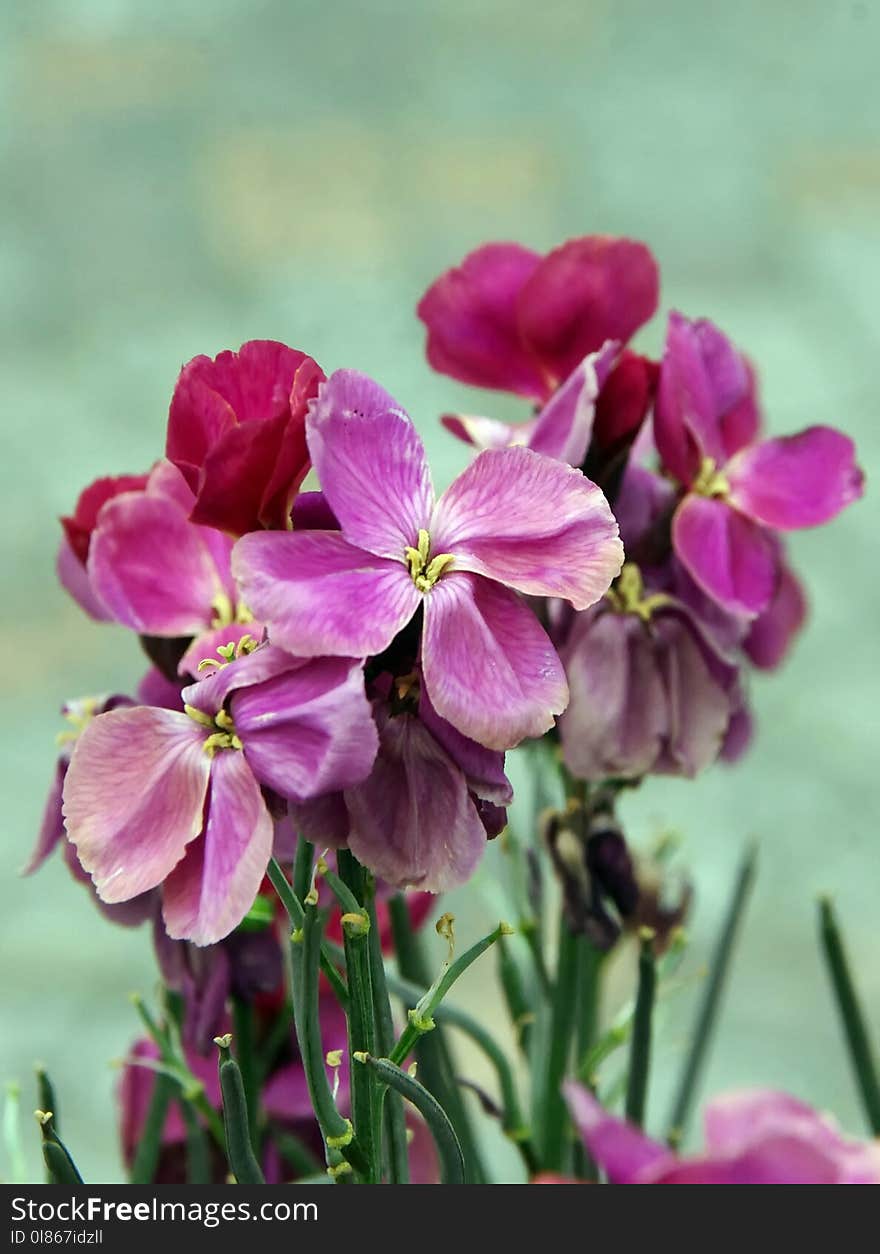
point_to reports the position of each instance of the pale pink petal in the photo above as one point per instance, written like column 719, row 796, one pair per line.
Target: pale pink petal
column 74, row 578
column 729, row 556
column 532, row 523
column 213, row 687
column 471, row 316
column 798, row 481
column 488, row 432
column 156, row 689
column 585, row 292
column 412, row 821
column 212, row 889
column 134, row 796
column 205, row 645
column 308, row 731
column 565, row 424
column 319, row 595
column 698, row 705
column 371, row 464
column 152, row 568
column 623, row 1152
column 489, row 666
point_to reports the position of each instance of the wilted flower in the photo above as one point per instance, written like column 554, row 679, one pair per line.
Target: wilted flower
column 236, row 433
column 159, row 797
column 738, row 490
column 756, row 1136
column 512, row 522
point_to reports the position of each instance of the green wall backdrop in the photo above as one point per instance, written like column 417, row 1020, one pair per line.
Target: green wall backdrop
column 179, row 177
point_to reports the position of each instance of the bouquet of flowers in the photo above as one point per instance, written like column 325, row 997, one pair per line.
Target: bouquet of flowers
column 339, row 660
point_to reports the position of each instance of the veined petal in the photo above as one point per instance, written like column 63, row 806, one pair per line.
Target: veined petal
column 585, row 292
column 134, row 797
column 532, row 523
column 205, row 645
column 488, row 432
column 798, row 481
column 728, row 555
column 699, row 702
column 412, row 821
column 489, row 666
column 308, row 731
column 212, row 889
column 371, row 464
column 152, row 568
column 319, row 595
column 471, row 316
column 565, row 424
column 484, row 768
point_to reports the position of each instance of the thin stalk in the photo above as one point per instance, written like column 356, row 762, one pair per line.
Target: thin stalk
column 391, row 1110
column 439, row 1124
column 522, row 1015
column 554, row 1122
column 851, row 1016
column 365, row 1104
column 246, row 1056
column 586, row 1029
column 239, row 1147
column 707, row 1012
column 147, row 1156
column 296, row 914
column 640, row 1045
column 198, row 1159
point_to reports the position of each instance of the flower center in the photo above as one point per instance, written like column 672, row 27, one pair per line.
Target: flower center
column 710, row 481
column 628, row 594
column 223, row 734
column 424, row 569
column 225, row 613
column 78, row 714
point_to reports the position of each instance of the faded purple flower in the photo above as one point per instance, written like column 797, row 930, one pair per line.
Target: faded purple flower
column 514, row 521
column 738, row 490
column 756, row 1136
column 159, row 797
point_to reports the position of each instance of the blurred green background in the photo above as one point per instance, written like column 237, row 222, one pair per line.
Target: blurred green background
column 180, row 177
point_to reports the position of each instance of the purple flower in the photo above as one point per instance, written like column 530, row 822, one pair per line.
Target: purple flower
column 756, row 1136
column 160, row 797
column 514, row 521
column 738, row 490
column 510, row 319
column 421, row 817
column 651, row 691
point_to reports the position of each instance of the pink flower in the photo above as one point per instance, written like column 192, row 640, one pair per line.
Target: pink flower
column 236, row 433
column 510, row 319
column 756, row 1136
column 738, row 490
column 160, row 797
column 514, row 521
column 73, row 552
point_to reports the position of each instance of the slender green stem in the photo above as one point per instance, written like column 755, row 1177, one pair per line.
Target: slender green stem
column 296, row 1154
column 554, row 1123
column 391, row 1104
column 239, row 1147
column 851, row 1016
column 47, row 1098
column 420, row 1017
column 302, row 869
column 147, row 1156
column 296, row 914
column 522, row 1015
column 435, row 1057
column 57, row 1157
column 365, row 1104
column 586, row 1029
column 245, row 1052
column 640, row 1045
column 198, row 1159
column 707, row 1011
column 439, row 1123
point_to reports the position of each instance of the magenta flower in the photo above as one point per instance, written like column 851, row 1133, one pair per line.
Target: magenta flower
column 160, row 797
column 508, row 318
column 514, row 521
column 73, row 552
column 757, row 1136
column 422, row 816
column 236, row 433
column 737, row 489
column 775, row 629
column 651, row 690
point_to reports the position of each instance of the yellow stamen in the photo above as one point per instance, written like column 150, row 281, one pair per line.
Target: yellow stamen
column 628, row 594
column 424, row 569
column 710, row 481
column 223, row 733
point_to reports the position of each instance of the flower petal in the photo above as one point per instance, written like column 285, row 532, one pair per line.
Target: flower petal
column 798, row 481
column 470, row 313
column 729, row 556
column 211, row 890
column 484, row 768
column 134, row 796
column 532, row 523
column 319, row 595
column 565, row 424
column 152, row 568
column 52, row 826
column 412, row 821
column 621, row 1150
column 589, row 290
column 489, row 666
column 488, row 432
column 74, row 578
column 371, row 464
column 773, row 632
column 308, row 731
column 698, row 693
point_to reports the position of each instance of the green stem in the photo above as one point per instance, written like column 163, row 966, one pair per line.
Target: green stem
column 434, row 1055
column 554, row 1121
column 640, row 1045
column 586, row 1029
column 296, row 914
column 707, row 1012
column 439, row 1123
column 365, row 1104
column 245, row 1052
column 147, row 1157
column 239, row 1147
column 57, row 1157
column 522, row 1015
column 198, row 1160
column 391, row 1104
column 851, row 1015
